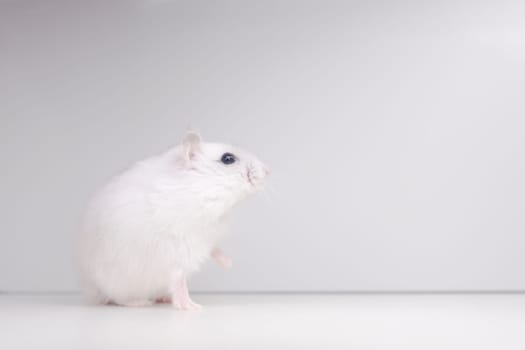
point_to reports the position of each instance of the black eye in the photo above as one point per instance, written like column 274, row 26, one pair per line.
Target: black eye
column 228, row 158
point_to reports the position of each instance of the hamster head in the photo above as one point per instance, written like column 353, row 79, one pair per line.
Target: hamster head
column 222, row 171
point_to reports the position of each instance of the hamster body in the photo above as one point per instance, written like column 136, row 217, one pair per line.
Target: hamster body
column 152, row 226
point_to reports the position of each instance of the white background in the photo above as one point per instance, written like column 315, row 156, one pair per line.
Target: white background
column 394, row 131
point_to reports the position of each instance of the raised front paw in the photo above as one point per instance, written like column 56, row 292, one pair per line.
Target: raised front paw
column 225, row 261
column 222, row 259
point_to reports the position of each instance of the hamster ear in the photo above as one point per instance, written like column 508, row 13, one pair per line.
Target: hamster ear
column 191, row 145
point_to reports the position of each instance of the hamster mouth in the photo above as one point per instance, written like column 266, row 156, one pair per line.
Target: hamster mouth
column 250, row 178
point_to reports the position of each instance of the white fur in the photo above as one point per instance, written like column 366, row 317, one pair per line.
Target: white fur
column 160, row 219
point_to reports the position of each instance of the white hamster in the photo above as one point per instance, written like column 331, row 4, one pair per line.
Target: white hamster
column 152, row 226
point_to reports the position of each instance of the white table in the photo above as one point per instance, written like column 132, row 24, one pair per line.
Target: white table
column 269, row 321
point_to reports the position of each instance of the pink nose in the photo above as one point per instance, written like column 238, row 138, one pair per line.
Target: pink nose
column 266, row 171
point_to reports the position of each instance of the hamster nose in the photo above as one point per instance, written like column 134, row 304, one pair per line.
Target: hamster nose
column 266, row 171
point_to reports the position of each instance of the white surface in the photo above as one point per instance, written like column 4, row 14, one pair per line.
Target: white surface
column 394, row 131
column 269, row 322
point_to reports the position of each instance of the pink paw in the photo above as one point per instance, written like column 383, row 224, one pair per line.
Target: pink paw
column 225, row 262
column 221, row 258
column 186, row 304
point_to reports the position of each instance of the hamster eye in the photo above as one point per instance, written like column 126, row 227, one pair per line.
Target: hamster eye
column 228, row 158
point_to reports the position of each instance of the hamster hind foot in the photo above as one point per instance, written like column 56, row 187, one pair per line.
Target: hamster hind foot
column 181, row 298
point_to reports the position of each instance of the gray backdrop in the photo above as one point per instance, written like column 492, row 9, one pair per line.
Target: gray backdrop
column 394, row 131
